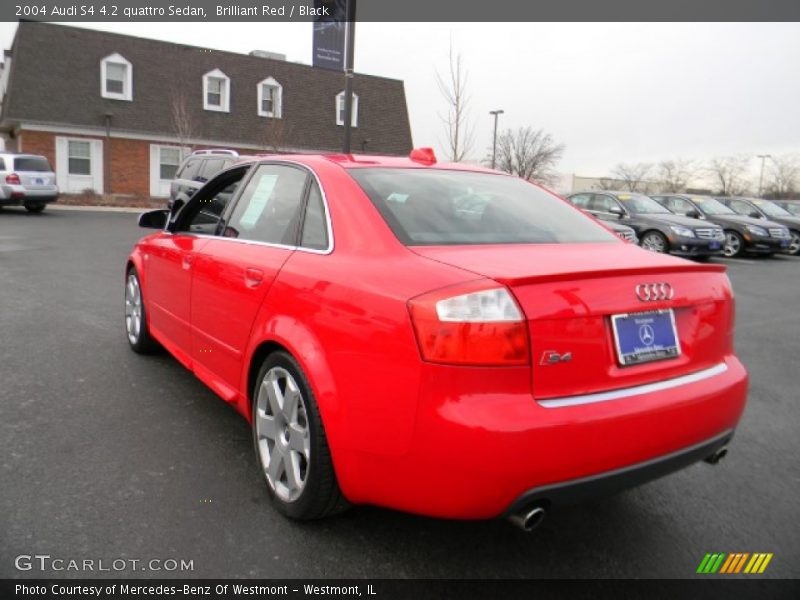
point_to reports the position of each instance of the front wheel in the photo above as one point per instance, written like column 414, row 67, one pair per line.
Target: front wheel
column 655, row 242
column 734, row 244
column 135, row 316
column 291, row 446
column 794, row 244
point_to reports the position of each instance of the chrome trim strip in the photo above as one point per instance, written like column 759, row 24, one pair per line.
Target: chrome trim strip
column 659, row 386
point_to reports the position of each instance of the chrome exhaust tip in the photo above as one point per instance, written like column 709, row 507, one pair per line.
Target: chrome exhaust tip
column 717, row 456
column 529, row 518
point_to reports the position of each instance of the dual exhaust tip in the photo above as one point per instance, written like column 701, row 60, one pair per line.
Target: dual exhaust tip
column 530, row 517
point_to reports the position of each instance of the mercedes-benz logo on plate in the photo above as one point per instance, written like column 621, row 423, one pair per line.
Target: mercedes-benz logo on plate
column 647, row 335
column 651, row 292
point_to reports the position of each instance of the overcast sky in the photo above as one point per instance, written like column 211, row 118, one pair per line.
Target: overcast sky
column 610, row 92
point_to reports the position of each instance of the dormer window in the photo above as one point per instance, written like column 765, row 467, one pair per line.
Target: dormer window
column 216, row 91
column 340, row 110
column 270, row 99
column 116, row 78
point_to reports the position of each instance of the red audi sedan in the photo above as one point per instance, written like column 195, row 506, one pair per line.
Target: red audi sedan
column 440, row 339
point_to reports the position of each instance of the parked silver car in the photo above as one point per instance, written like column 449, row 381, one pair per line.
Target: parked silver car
column 27, row 180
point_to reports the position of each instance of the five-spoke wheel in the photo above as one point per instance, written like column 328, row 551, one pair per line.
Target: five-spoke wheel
column 291, row 447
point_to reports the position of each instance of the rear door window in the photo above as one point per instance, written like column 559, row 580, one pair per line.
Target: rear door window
column 270, row 207
column 37, row 164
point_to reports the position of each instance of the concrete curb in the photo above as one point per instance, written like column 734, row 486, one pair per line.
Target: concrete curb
column 119, row 209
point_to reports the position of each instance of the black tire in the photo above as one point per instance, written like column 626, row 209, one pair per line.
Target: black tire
column 143, row 342
column 655, row 241
column 734, row 244
column 34, row 208
column 320, row 495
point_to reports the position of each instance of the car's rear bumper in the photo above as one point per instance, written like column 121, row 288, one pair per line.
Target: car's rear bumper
column 11, row 195
column 481, row 443
column 610, row 482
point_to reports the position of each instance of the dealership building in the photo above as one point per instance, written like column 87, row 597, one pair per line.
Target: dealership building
column 115, row 114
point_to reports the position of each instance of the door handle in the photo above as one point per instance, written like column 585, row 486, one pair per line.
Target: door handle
column 253, row 277
column 188, row 259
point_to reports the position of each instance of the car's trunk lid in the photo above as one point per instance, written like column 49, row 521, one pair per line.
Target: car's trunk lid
column 569, row 293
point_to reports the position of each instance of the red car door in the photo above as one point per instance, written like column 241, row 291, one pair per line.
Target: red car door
column 168, row 274
column 234, row 272
column 169, row 264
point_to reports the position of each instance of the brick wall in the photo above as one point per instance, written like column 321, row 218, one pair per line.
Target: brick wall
column 129, row 159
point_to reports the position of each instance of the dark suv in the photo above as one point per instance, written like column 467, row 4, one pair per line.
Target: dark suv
column 658, row 229
column 742, row 233
column 769, row 212
column 198, row 168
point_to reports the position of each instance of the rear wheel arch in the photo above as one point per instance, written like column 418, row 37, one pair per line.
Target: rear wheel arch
column 312, row 362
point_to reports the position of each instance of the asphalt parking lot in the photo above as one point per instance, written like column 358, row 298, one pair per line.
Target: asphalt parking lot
column 105, row 454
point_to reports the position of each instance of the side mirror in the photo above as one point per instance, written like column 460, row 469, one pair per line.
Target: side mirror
column 616, row 210
column 154, row 219
column 693, row 213
column 755, row 214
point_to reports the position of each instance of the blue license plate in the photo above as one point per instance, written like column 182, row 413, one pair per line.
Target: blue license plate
column 38, row 182
column 714, row 245
column 646, row 336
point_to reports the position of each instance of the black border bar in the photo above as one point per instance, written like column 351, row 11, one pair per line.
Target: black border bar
column 404, row 10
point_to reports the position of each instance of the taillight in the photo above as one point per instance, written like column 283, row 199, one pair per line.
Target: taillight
column 13, row 179
column 477, row 323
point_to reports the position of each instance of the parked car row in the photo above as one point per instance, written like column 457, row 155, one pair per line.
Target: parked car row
column 697, row 226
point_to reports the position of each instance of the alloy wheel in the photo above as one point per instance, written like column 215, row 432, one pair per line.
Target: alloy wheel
column 794, row 245
column 282, row 433
column 133, row 308
column 654, row 243
column 733, row 245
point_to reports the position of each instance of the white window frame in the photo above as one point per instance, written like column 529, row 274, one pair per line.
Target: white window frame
column 225, row 105
column 75, row 184
column 159, row 188
column 277, row 111
column 127, row 83
column 340, row 110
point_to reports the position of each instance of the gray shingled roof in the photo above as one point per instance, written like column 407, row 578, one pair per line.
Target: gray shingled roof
column 55, row 78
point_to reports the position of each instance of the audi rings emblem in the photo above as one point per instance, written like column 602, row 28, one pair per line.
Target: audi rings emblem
column 653, row 292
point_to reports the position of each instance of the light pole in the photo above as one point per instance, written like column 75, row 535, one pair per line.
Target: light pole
column 496, row 114
column 763, row 157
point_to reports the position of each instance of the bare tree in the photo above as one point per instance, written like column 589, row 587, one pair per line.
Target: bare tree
column 459, row 132
column 182, row 122
column 633, row 176
column 275, row 135
column 675, row 175
column 730, row 174
column 783, row 176
column 529, row 153
column 607, row 183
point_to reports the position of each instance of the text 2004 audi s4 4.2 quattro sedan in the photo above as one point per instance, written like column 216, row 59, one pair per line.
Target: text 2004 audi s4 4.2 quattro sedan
column 439, row 339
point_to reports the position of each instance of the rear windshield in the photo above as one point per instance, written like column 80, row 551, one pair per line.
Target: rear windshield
column 31, row 163
column 439, row 207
